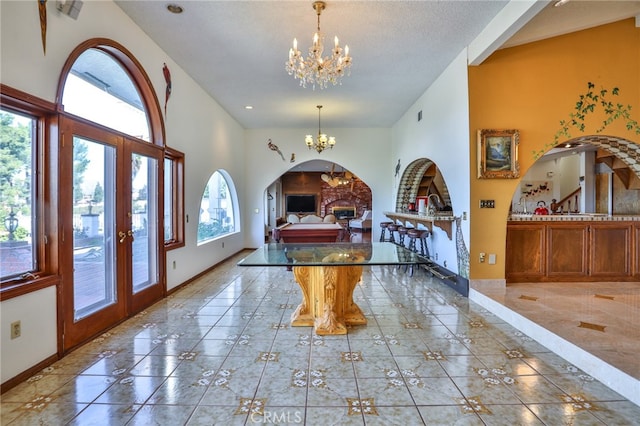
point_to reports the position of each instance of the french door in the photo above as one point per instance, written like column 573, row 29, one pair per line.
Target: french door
column 110, row 207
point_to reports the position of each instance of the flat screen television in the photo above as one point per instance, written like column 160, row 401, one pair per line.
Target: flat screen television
column 301, row 203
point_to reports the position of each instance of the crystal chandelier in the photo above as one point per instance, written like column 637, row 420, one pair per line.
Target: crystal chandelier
column 322, row 141
column 314, row 69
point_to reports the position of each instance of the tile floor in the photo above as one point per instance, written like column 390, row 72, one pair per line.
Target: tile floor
column 221, row 352
column 594, row 325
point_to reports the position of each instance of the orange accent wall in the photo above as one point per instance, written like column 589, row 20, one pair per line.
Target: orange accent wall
column 532, row 88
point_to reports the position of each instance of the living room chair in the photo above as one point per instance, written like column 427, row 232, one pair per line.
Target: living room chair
column 330, row 218
column 293, row 218
column 363, row 223
column 311, row 218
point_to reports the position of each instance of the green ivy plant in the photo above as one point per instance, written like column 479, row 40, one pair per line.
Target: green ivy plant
column 587, row 104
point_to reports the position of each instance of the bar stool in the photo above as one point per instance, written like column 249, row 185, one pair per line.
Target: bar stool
column 424, row 249
column 392, row 228
column 383, row 228
column 402, row 233
column 413, row 235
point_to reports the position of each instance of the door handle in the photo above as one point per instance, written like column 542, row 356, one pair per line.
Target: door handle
column 123, row 236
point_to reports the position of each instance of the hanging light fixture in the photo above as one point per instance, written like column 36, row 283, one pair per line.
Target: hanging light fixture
column 322, row 141
column 314, row 69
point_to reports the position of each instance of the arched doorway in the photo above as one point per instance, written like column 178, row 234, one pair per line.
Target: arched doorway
column 111, row 164
column 587, row 235
column 330, row 185
column 422, row 178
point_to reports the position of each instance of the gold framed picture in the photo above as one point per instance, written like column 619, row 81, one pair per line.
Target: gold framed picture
column 498, row 154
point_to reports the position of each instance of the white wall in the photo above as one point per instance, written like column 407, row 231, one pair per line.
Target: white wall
column 195, row 124
column 442, row 136
column 37, row 315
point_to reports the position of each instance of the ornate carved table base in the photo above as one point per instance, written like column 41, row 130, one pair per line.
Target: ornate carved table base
column 327, row 298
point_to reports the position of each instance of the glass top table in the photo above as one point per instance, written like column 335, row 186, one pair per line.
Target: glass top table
column 328, row 273
column 331, row 254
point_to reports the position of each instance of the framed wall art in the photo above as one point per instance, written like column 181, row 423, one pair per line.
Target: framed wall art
column 498, row 154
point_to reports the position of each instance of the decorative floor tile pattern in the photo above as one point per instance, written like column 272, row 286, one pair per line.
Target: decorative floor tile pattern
column 221, row 351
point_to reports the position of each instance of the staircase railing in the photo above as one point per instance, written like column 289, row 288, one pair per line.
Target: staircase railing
column 569, row 204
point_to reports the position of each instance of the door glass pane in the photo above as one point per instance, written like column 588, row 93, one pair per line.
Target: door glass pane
column 94, row 254
column 168, row 200
column 144, row 224
column 18, row 232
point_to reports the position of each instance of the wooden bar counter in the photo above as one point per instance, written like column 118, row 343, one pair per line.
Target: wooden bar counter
column 570, row 248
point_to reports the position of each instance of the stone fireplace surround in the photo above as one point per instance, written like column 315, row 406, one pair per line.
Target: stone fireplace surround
column 343, row 196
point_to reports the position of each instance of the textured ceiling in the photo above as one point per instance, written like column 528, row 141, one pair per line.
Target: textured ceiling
column 236, row 50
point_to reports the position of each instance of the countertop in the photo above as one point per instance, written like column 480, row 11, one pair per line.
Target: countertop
column 584, row 217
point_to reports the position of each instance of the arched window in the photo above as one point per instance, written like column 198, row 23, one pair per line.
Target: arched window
column 100, row 90
column 217, row 208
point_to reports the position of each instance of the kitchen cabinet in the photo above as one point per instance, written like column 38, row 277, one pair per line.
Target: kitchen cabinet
column 578, row 250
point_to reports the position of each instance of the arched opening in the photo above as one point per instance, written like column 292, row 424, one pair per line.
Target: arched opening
column 111, row 160
column 590, row 174
column 422, row 179
column 319, row 188
column 588, row 232
column 423, row 201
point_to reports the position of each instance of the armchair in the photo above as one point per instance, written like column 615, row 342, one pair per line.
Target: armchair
column 363, row 222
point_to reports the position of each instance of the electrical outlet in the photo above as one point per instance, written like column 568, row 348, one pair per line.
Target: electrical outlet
column 174, row 264
column 436, row 256
column 16, row 329
column 223, row 244
column 487, row 204
column 482, row 256
column 464, row 215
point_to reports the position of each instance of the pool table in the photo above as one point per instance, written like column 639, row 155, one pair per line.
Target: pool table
column 308, row 233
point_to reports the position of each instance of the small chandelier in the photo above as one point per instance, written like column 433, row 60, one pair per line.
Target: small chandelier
column 322, row 141
column 314, row 69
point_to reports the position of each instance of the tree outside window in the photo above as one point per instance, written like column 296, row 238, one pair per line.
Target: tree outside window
column 16, row 198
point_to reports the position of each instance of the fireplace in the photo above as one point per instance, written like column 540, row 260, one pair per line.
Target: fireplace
column 344, row 212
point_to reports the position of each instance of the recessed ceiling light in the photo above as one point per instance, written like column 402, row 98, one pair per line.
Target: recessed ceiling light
column 174, row 8
column 248, row 107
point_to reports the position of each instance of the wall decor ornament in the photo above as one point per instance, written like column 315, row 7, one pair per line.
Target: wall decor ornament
column 274, row 147
column 498, row 154
column 586, row 104
column 167, row 79
column 42, row 11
